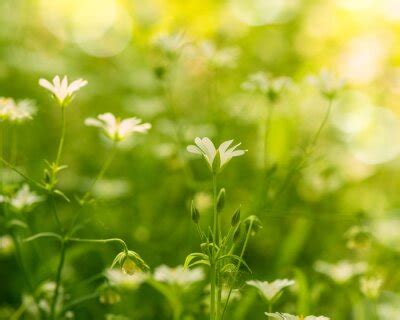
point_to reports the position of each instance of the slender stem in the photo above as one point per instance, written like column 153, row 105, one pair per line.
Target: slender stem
column 238, row 267
column 80, row 300
column 55, row 213
column 58, row 280
column 120, row 241
column 43, row 235
column 23, row 175
column 266, row 132
column 323, row 123
column 62, row 138
column 213, row 265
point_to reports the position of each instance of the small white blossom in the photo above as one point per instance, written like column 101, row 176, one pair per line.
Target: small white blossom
column 61, row 90
column 371, row 286
column 24, row 199
column 170, row 45
column 287, row 316
column 16, row 111
column 119, row 278
column 179, row 275
column 342, row 271
column 117, row 129
column 270, row 290
column 206, row 148
column 327, row 83
column 265, row 84
column 219, row 58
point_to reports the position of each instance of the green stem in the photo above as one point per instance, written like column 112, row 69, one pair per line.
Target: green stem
column 80, row 300
column 238, row 267
column 117, row 240
column 44, row 235
column 323, row 123
column 62, row 138
column 55, row 214
column 213, row 275
column 58, row 280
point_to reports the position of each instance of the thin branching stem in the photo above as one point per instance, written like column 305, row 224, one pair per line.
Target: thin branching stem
column 238, row 267
column 62, row 138
column 43, row 235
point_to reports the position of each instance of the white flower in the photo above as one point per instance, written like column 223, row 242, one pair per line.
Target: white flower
column 342, row 271
column 206, row 148
column 287, row 316
column 271, row 289
column 61, row 90
column 371, row 286
column 178, row 276
column 117, row 129
column 220, row 58
column 119, row 278
column 327, row 83
column 24, row 199
column 265, row 84
column 170, row 45
column 16, row 111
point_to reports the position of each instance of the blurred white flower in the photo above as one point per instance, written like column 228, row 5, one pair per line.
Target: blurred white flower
column 206, row 148
column 179, row 275
column 61, row 90
column 270, row 290
column 263, row 83
column 342, row 271
column 287, row 316
column 6, row 245
column 171, row 45
column 16, row 111
column 117, row 129
column 327, row 83
column 24, row 199
column 119, row 278
column 371, row 286
column 219, row 58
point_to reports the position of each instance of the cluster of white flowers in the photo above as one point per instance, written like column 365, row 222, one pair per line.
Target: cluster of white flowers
column 117, row 129
column 327, row 83
column 270, row 290
column 206, row 148
column 179, row 275
column 265, row 84
column 16, row 111
column 23, row 200
column 62, row 90
column 287, row 316
column 342, row 271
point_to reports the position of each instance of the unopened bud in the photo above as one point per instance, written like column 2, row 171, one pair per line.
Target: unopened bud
column 235, row 218
column 253, row 223
column 195, row 214
column 221, row 200
column 129, row 267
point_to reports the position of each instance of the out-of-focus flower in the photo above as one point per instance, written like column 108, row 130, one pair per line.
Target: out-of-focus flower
column 170, row 45
column 120, row 279
column 371, row 286
column 265, row 84
column 342, row 271
column 358, row 237
column 6, row 245
column 117, row 129
column 327, row 83
column 287, row 316
column 61, row 90
column 219, row 58
column 206, row 148
column 24, row 199
column 202, row 200
column 270, row 290
column 179, row 275
column 16, row 111
column 108, row 295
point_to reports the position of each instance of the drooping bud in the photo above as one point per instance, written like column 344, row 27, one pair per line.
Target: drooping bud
column 253, row 223
column 129, row 267
column 221, row 200
column 130, row 262
column 195, row 214
column 235, row 218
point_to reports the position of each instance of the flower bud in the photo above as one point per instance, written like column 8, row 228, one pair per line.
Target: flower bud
column 195, row 214
column 254, row 223
column 221, row 200
column 235, row 218
column 129, row 267
column 6, row 245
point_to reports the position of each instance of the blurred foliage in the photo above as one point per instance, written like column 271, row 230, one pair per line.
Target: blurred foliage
column 341, row 204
